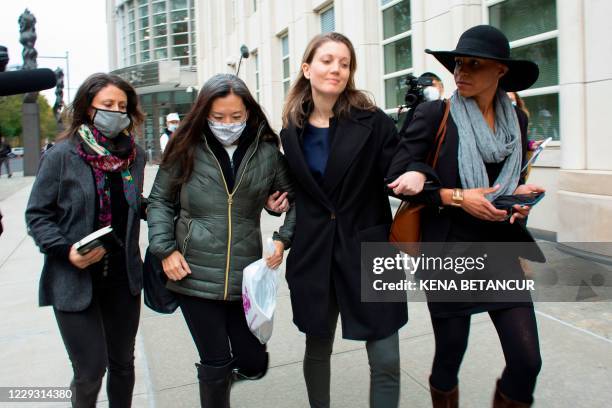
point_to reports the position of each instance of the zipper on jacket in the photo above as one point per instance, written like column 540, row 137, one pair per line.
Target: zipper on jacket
column 230, row 201
column 187, row 237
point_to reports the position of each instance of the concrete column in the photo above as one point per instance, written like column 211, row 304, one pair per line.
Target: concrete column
column 585, row 181
column 572, row 103
column 30, row 123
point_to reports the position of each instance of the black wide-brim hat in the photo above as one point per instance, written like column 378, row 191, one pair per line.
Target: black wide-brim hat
column 485, row 41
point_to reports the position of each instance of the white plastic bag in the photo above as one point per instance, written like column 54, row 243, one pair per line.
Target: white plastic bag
column 259, row 285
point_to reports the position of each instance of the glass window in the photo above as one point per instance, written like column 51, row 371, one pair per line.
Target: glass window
column 146, row 99
column 396, row 19
column 179, row 28
column 144, row 34
column 543, row 53
column 132, row 48
column 132, row 26
column 521, row 19
column 543, row 116
column 161, row 53
column 178, row 4
column 160, row 30
column 145, row 56
column 256, row 58
column 181, row 51
column 254, row 6
column 179, row 15
column 144, row 22
column 133, row 59
column 285, row 45
column 398, row 55
column 180, row 39
column 160, row 42
column 132, row 37
column 143, row 11
column 144, row 45
column 159, row 7
column 524, row 18
column 163, row 97
column 328, row 21
column 141, row 2
column 131, row 15
column 395, row 89
column 159, row 19
column 286, row 65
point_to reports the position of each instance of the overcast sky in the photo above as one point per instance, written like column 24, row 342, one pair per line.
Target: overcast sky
column 76, row 26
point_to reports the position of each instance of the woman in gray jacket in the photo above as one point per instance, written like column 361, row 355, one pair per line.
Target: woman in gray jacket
column 91, row 179
column 221, row 165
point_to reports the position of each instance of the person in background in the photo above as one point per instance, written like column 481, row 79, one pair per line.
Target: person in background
column 93, row 178
column 172, row 123
column 5, row 159
column 436, row 90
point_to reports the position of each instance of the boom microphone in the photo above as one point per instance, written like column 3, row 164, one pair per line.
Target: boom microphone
column 24, row 81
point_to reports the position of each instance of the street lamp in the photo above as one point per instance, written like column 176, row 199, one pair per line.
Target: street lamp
column 67, row 70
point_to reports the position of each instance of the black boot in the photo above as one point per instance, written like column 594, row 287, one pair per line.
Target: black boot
column 241, row 375
column 215, row 384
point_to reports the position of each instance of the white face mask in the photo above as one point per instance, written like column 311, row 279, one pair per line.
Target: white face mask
column 227, row 134
column 431, row 93
column 172, row 127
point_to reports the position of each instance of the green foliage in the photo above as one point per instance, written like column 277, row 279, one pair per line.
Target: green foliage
column 10, row 119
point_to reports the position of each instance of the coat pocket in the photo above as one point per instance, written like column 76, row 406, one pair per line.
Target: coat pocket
column 377, row 233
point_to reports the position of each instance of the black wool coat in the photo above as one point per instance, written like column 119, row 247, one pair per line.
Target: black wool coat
column 349, row 206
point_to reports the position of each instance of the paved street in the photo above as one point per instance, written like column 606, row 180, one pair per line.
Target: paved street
column 576, row 342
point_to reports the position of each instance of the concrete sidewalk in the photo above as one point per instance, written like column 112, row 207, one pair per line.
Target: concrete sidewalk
column 576, row 343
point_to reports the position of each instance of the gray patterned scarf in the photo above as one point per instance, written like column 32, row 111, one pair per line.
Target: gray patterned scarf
column 479, row 145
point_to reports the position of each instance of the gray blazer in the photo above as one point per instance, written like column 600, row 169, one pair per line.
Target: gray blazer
column 61, row 210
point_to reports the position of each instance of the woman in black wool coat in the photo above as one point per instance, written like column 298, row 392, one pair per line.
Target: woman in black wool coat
column 338, row 146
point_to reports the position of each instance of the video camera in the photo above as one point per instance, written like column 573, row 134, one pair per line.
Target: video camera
column 414, row 90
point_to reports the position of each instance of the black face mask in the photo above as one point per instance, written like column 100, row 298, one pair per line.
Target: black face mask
column 111, row 123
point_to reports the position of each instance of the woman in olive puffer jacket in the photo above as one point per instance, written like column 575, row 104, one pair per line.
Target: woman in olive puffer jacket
column 221, row 165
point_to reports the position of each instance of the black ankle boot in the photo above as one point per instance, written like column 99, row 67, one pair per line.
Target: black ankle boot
column 241, row 375
column 215, row 384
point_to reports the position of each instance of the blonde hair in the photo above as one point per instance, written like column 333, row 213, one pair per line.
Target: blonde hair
column 299, row 99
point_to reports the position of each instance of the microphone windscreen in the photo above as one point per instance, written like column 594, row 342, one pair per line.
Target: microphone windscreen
column 24, row 81
column 244, row 51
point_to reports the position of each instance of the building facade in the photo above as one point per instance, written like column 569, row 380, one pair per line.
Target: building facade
column 152, row 44
column 569, row 39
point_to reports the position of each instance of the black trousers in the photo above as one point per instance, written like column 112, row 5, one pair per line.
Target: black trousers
column 220, row 332
column 102, row 337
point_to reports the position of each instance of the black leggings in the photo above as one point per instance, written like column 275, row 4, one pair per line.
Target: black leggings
column 101, row 336
column 518, row 334
column 220, row 332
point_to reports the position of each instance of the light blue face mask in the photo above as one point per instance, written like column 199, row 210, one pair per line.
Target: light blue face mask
column 111, row 123
column 227, row 134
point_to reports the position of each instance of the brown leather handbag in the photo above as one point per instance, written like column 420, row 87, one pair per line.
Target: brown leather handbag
column 406, row 228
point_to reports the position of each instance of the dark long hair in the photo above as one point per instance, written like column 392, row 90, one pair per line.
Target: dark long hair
column 78, row 111
column 182, row 146
column 299, row 99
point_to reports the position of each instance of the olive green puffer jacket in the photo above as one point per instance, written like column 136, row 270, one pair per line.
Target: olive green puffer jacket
column 218, row 232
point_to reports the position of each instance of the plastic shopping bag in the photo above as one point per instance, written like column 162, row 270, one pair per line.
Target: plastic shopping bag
column 259, row 285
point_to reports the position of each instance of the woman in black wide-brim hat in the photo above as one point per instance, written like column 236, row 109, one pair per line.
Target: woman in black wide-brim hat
column 480, row 159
